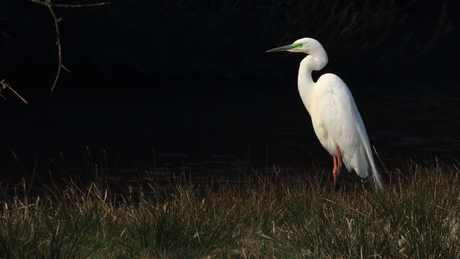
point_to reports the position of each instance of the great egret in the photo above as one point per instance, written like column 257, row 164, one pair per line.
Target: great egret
column 335, row 117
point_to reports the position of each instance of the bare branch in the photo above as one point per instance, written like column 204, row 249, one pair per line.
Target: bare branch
column 7, row 85
column 69, row 5
column 80, row 5
column 50, row 6
column 58, row 43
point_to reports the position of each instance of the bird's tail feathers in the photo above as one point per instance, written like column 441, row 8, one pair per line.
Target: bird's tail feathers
column 375, row 174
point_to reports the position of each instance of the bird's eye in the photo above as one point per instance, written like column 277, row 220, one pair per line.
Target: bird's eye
column 297, row 45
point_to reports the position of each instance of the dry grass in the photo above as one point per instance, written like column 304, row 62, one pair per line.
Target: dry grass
column 267, row 217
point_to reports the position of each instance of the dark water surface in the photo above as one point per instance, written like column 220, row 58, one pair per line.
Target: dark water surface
column 215, row 127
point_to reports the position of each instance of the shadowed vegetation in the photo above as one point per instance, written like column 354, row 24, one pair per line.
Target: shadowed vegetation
column 267, row 216
column 213, row 37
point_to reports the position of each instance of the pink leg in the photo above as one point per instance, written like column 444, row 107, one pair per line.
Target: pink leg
column 337, row 160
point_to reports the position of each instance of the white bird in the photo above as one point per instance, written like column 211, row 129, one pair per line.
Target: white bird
column 335, row 117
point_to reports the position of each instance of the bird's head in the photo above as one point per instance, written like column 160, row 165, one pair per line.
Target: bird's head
column 317, row 57
column 304, row 45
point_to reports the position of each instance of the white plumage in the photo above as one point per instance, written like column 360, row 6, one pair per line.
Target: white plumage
column 335, row 117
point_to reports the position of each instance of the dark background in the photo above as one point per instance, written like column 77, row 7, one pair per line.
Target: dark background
column 185, row 86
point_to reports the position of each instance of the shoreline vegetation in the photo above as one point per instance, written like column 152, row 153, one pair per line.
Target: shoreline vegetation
column 207, row 38
column 272, row 215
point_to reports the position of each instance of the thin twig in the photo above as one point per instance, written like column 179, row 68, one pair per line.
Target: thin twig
column 69, row 5
column 58, row 43
column 7, row 85
column 50, row 6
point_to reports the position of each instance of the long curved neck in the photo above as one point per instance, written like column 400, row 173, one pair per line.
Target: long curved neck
column 305, row 81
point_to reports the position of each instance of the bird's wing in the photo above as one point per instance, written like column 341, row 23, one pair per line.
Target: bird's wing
column 339, row 115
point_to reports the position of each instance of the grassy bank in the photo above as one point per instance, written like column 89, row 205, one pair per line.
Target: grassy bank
column 267, row 217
